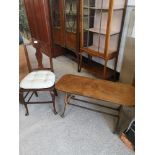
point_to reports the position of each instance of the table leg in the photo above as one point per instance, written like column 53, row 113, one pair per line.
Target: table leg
column 118, row 119
column 66, row 101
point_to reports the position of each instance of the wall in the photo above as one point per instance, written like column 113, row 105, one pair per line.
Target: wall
column 127, row 73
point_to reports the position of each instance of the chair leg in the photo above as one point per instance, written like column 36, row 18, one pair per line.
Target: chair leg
column 80, row 63
column 21, row 99
column 53, row 102
column 27, row 112
column 36, row 94
column 55, row 92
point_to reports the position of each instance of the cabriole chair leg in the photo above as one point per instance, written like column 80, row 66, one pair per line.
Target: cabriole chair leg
column 53, row 102
column 21, row 99
column 36, row 94
column 27, row 112
column 55, row 92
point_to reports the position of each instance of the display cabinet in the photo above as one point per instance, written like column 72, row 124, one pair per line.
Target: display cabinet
column 101, row 24
column 64, row 14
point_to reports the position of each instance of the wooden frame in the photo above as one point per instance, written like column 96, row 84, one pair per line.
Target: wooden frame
column 102, row 51
column 62, row 36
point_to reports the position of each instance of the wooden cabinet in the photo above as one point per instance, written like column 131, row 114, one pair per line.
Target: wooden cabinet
column 86, row 27
column 101, row 24
column 64, row 14
column 39, row 23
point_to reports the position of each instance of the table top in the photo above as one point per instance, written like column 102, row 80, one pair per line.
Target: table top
column 115, row 92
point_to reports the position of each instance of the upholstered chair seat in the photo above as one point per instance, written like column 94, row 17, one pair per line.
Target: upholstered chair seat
column 38, row 80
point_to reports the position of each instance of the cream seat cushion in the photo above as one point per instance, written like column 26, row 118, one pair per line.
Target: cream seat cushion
column 38, row 80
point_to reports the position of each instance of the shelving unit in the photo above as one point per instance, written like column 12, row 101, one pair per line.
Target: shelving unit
column 101, row 24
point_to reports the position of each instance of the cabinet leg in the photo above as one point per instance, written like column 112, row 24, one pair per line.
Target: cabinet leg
column 77, row 58
column 89, row 58
column 115, row 67
column 80, row 63
column 105, row 70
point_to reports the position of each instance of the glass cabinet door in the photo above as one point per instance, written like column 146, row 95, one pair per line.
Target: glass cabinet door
column 95, row 16
column 55, row 4
column 57, row 15
column 71, row 15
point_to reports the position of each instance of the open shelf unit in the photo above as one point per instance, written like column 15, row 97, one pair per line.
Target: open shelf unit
column 101, row 24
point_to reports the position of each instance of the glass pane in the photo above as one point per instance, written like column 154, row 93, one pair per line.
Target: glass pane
column 93, row 26
column 89, row 3
column 55, row 12
column 88, row 23
column 71, row 15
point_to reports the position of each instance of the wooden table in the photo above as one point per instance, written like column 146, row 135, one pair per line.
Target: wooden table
column 114, row 92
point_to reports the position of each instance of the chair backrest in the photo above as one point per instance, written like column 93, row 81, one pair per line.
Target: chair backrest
column 23, row 63
column 38, row 56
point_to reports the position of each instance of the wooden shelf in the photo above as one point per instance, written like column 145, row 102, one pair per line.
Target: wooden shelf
column 102, row 31
column 97, row 69
column 93, row 50
column 101, row 50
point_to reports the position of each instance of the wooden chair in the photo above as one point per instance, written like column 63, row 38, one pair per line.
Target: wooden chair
column 39, row 79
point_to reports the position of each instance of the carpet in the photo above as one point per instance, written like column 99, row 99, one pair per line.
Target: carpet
column 80, row 132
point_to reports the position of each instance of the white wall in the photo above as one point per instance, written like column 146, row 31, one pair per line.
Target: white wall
column 124, row 35
column 131, row 2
